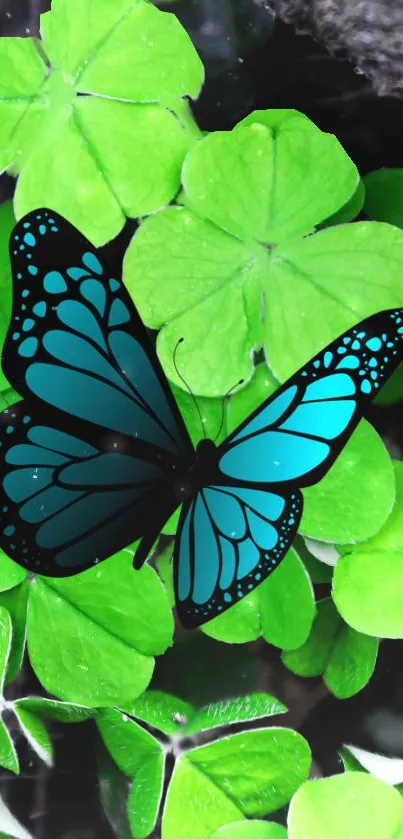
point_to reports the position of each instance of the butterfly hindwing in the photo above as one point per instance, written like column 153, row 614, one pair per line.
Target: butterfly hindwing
column 65, row 504
column 231, row 539
column 296, row 435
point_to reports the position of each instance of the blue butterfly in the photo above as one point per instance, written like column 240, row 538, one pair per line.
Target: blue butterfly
column 97, row 454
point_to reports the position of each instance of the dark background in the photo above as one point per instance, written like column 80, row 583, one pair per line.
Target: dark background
column 252, row 61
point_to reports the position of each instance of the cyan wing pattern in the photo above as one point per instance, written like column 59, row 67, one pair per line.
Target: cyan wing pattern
column 296, row 435
column 236, row 532
column 88, row 459
column 231, row 539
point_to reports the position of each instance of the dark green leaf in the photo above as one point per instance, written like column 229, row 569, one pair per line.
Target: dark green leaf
column 244, row 708
column 16, row 602
column 161, row 710
column 383, row 195
column 145, row 795
column 51, row 709
column 36, row 733
column 129, row 744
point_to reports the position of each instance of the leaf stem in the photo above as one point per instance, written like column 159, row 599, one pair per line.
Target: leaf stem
column 183, row 112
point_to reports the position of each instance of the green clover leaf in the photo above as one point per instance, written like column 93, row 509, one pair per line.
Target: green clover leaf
column 344, row 657
column 352, row 806
column 98, row 651
column 239, row 267
column 85, row 138
column 368, row 579
column 254, row 784
column 244, row 775
column 250, row 830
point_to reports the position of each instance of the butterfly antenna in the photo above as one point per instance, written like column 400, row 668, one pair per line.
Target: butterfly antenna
column 225, row 397
column 180, row 341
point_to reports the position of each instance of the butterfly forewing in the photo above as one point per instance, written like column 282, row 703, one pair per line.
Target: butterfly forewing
column 77, row 350
column 296, row 435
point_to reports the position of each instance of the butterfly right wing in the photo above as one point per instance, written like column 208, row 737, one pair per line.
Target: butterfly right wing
column 231, row 539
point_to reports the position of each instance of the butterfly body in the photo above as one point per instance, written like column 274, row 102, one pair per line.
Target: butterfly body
column 97, row 456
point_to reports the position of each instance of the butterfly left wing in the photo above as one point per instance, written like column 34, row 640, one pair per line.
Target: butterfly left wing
column 226, row 549
column 231, row 539
column 77, row 350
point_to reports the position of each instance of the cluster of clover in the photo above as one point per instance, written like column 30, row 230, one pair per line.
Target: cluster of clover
column 246, row 247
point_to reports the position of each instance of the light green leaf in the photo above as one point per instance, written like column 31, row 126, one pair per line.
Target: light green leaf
column 11, row 574
column 36, row 733
column 345, row 658
column 194, row 800
column 270, row 610
column 383, row 195
column 7, row 221
column 16, row 602
column 352, row 806
column 98, row 649
column 129, row 744
column 136, row 130
column 50, row 133
column 355, row 498
column 161, row 710
column 254, row 181
column 9, row 826
column 250, row 830
column 145, row 796
column 242, row 709
column 51, row 709
column 217, row 277
column 332, row 280
column 160, row 61
column 70, row 183
column 210, row 296
column 368, row 582
column 259, row 770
